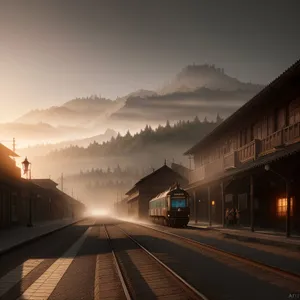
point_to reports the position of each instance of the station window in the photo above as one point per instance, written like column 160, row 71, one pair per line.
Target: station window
column 281, row 208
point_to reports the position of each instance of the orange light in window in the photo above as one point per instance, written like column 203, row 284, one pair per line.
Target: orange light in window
column 281, row 208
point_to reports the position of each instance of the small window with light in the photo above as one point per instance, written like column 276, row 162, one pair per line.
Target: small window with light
column 281, row 208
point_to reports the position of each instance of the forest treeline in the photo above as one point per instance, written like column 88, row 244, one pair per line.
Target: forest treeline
column 108, row 174
column 187, row 132
column 107, row 182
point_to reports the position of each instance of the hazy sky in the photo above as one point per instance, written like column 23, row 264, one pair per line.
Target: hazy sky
column 54, row 50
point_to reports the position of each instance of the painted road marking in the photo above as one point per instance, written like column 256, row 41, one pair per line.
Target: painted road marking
column 9, row 280
column 46, row 283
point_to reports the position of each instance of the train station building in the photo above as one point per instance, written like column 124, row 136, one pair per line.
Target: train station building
column 25, row 201
column 251, row 161
column 145, row 189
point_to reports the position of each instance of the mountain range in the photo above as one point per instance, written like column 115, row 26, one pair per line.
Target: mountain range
column 201, row 90
column 44, row 149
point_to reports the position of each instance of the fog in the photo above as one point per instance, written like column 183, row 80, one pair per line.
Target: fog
column 96, row 149
column 81, row 180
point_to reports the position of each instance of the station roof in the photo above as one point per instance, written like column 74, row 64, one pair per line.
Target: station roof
column 6, row 151
column 292, row 73
column 45, row 183
column 162, row 169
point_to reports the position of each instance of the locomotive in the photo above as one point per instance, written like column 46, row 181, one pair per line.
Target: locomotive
column 170, row 208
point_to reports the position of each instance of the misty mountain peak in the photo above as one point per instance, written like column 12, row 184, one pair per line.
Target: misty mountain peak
column 195, row 70
column 83, row 104
column 193, row 77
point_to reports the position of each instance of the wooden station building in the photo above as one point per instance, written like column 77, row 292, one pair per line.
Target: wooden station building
column 148, row 187
column 38, row 199
column 251, row 161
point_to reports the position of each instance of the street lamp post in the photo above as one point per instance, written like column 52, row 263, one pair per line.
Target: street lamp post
column 288, row 199
column 27, row 171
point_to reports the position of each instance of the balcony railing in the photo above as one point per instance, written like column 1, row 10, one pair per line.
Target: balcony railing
column 291, row 133
column 249, row 151
column 231, row 160
column 272, row 141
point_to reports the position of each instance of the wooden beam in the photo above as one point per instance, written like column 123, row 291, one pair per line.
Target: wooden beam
column 223, row 204
column 195, row 207
column 288, row 209
column 251, row 203
column 209, row 205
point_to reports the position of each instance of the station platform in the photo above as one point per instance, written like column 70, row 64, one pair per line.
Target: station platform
column 17, row 236
column 263, row 236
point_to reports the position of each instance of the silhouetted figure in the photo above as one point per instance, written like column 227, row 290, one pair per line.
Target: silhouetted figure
column 227, row 213
column 237, row 216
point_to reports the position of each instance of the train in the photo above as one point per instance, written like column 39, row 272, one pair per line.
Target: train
column 170, row 208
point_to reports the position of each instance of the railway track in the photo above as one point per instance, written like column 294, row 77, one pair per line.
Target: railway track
column 142, row 274
column 275, row 270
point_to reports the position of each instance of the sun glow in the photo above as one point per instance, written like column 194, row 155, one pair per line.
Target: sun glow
column 99, row 212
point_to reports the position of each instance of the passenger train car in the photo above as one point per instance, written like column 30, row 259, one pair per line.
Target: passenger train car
column 171, row 207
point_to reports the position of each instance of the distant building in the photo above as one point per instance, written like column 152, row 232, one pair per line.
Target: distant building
column 121, row 208
column 148, row 187
column 51, row 203
column 11, row 187
column 230, row 162
column 181, row 170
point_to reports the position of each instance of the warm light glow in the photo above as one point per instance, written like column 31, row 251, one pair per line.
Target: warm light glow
column 99, row 212
column 213, row 203
column 282, row 207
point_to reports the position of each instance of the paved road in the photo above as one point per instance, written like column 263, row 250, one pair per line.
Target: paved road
column 63, row 266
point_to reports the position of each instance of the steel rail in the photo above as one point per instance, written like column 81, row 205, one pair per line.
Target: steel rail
column 186, row 284
column 118, row 269
column 241, row 258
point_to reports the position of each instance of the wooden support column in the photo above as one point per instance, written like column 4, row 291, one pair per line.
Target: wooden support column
column 223, row 204
column 251, row 203
column 209, row 205
column 288, row 209
column 195, row 207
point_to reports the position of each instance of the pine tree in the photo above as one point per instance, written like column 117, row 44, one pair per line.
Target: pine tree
column 196, row 120
column 218, row 119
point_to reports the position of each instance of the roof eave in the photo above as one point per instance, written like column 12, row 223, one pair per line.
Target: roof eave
column 128, row 193
column 189, row 152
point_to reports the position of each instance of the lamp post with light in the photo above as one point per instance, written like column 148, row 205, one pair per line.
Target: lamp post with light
column 288, row 199
column 27, row 171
